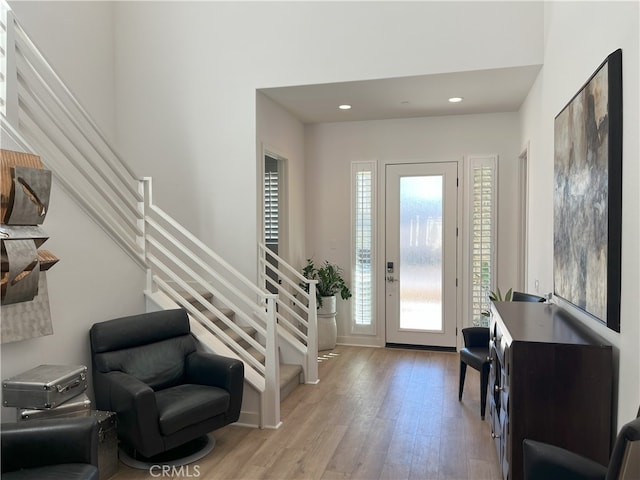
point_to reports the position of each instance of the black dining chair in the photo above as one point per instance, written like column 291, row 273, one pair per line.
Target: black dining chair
column 526, row 297
column 476, row 352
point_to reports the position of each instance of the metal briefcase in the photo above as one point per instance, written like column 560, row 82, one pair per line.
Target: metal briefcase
column 79, row 406
column 45, row 386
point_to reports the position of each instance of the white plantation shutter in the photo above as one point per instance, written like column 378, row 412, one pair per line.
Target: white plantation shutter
column 363, row 183
column 482, row 234
column 271, row 207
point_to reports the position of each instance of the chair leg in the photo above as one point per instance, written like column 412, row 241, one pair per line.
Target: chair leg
column 463, row 372
column 484, row 381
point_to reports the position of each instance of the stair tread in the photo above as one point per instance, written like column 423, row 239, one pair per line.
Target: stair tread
column 236, row 336
column 191, row 299
column 212, row 316
column 288, row 372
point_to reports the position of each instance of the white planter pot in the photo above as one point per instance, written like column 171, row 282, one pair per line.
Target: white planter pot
column 327, row 328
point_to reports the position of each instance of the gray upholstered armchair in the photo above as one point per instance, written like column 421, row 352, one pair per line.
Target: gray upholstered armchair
column 165, row 392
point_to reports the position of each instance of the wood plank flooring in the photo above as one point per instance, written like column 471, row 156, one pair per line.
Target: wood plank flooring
column 376, row 414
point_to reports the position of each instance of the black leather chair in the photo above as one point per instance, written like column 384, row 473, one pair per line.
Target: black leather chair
column 548, row 462
column 476, row 354
column 57, row 448
column 166, row 393
column 526, row 297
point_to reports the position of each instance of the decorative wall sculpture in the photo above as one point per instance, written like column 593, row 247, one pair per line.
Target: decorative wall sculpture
column 25, row 187
column 588, row 195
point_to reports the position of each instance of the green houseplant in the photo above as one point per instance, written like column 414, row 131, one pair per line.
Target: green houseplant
column 497, row 295
column 330, row 283
column 330, row 280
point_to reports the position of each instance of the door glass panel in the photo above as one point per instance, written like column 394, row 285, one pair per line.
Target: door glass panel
column 421, row 252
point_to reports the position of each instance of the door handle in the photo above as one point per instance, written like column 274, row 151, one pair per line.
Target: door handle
column 391, row 278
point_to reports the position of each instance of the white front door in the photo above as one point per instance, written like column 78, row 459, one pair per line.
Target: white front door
column 421, row 253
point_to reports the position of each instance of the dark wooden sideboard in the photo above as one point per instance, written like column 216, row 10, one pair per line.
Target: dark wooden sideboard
column 551, row 380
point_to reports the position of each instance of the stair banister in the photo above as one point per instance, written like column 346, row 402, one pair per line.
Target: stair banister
column 271, row 406
column 288, row 278
column 312, row 335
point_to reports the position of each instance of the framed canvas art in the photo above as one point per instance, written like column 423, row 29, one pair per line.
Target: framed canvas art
column 588, row 195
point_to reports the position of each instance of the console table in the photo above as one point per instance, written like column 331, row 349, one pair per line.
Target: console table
column 551, row 380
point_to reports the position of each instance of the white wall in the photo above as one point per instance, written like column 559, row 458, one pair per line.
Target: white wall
column 578, row 38
column 332, row 147
column 76, row 38
column 187, row 75
column 94, row 280
column 280, row 133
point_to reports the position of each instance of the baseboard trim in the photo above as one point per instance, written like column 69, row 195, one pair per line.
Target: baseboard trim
column 433, row 348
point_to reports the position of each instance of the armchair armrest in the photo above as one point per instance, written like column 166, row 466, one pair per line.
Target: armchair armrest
column 135, row 405
column 548, row 462
column 218, row 371
column 37, row 443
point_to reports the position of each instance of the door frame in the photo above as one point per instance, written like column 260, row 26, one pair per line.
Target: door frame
column 382, row 244
column 283, row 201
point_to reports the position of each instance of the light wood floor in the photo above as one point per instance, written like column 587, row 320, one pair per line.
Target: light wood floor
column 376, row 414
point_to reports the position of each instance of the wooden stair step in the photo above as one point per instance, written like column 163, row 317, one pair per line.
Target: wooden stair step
column 195, row 302
column 256, row 354
column 236, row 336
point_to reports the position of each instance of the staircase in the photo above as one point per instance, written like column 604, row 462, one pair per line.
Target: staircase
column 291, row 375
column 273, row 334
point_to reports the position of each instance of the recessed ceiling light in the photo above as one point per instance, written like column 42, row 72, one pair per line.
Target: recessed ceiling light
column 455, row 99
column 345, row 107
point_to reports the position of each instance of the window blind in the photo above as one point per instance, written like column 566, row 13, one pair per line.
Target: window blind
column 363, row 234
column 483, row 226
column 271, row 207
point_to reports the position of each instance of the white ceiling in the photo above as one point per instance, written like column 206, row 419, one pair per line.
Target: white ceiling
column 484, row 91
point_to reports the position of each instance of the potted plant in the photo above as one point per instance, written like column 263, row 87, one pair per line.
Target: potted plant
column 495, row 296
column 330, row 280
column 330, row 283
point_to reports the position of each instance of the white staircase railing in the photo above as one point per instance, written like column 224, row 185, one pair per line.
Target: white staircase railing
column 41, row 116
column 296, row 310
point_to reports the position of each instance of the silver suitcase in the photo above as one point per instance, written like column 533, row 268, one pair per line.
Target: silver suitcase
column 79, row 406
column 45, row 386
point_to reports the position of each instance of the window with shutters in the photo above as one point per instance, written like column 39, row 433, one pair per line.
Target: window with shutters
column 271, row 201
column 482, row 235
column 363, row 182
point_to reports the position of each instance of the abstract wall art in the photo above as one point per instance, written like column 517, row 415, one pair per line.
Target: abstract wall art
column 588, row 195
column 25, row 187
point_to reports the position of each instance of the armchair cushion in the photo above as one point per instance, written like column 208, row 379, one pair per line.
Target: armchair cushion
column 185, row 405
